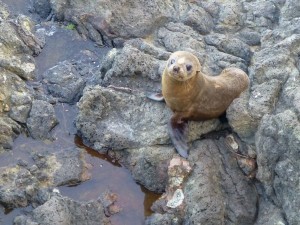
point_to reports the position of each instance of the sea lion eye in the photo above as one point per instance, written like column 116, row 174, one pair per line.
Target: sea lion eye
column 172, row 61
column 188, row 67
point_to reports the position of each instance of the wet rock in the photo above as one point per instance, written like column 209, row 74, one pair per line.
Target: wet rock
column 61, row 168
column 9, row 130
column 277, row 146
column 62, row 210
column 17, row 186
column 41, row 120
column 20, row 185
column 173, row 200
column 148, row 165
column 64, row 82
column 108, row 200
column 42, row 7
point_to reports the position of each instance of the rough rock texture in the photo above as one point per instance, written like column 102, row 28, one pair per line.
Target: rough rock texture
column 17, row 47
column 216, row 192
column 261, row 37
column 111, row 118
column 62, row 210
column 21, row 185
column 64, row 82
column 41, row 120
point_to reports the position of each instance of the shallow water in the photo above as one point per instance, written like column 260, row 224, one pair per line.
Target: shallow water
column 63, row 44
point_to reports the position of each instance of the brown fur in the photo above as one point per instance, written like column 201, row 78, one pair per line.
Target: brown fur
column 192, row 95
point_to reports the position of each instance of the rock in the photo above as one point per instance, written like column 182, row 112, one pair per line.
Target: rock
column 101, row 17
column 177, row 36
column 65, row 167
column 133, row 63
column 62, row 210
column 42, row 7
column 148, row 165
column 261, row 14
column 229, row 45
column 199, row 19
column 113, row 119
column 64, row 82
column 41, row 120
column 277, row 146
column 290, row 10
column 20, row 186
column 210, row 196
column 9, row 130
column 221, row 194
column 163, row 219
column 108, row 200
column 269, row 214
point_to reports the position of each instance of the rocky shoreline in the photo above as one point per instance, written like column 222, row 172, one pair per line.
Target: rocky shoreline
column 241, row 171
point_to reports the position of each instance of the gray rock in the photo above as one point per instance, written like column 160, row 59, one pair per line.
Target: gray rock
column 199, row 19
column 62, row 210
column 229, row 45
column 220, row 195
column 41, row 120
column 20, row 186
column 15, row 55
column 9, row 130
column 42, row 7
column 20, row 106
column 269, row 214
column 263, row 98
column 148, row 165
column 134, row 19
column 277, row 146
column 163, row 219
column 133, row 63
column 113, row 119
column 177, row 36
column 64, row 82
column 261, row 14
column 290, row 10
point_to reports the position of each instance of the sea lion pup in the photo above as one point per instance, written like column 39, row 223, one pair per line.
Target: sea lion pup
column 192, row 95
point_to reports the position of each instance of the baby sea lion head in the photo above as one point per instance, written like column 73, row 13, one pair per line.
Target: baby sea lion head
column 183, row 65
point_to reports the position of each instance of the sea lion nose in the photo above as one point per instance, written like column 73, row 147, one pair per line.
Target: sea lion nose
column 176, row 69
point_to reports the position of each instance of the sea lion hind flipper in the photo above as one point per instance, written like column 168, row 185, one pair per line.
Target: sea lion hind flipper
column 155, row 96
column 178, row 134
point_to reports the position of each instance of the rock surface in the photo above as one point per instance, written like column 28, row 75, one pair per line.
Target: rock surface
column 24, row 184
column 62, row 210
column 260, row 37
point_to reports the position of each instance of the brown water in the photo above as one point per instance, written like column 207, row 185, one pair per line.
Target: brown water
column 107, row 174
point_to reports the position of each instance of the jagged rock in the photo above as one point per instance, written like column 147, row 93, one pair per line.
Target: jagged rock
column 20, row 185
column 64, row 82
column 114, row 119
column 41, row 120
column 62, row 210
column 148, row 165
column 277, row 146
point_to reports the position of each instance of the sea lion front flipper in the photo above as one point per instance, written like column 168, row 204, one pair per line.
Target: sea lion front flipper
column 178, row 133
column 156, row 96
